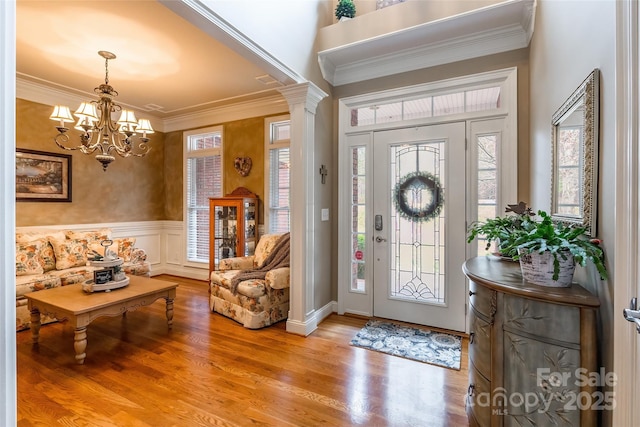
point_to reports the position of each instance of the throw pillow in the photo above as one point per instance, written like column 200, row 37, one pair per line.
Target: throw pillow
column 97, row 247
column 125, row 246
column 47, row 256
column 264, row 248
column 28, row 257
column 70, row 253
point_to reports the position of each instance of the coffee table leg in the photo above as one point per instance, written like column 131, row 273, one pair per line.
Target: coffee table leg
column 35, row 325
column 170, row 312
column 80, row 344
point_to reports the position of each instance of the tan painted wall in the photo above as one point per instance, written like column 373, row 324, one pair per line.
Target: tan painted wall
column 131, row 189
column 241, row 138
column 556, row 71
column 173, row 182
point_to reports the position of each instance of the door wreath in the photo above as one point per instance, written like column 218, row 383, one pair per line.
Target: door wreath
column 418, row 182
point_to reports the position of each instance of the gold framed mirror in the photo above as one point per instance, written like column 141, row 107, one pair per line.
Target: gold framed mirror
column 574, row 156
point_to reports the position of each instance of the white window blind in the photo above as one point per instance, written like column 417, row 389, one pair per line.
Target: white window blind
column 203, row 180
column 278, row 170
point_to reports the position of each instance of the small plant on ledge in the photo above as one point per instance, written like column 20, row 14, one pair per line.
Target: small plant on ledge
column 345, row 9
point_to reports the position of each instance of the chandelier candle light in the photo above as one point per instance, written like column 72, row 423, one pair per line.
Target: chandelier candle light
column 99, row 130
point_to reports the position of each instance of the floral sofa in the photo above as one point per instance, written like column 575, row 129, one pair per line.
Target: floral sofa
column 257, row 302
column 51, row 258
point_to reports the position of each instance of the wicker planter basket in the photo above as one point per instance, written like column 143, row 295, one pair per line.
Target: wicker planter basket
column 538, row 268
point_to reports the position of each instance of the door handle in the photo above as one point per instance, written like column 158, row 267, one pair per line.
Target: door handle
column 380, row 239
column 632, row 314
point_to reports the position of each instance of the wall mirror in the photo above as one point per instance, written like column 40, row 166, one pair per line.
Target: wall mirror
column 574, row 157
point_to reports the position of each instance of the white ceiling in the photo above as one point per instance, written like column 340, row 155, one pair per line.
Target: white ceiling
column 165, row 66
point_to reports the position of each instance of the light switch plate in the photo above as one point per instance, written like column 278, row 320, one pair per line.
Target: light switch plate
column 325, row 214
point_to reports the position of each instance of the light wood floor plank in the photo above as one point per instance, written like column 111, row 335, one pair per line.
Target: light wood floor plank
column 210, row 371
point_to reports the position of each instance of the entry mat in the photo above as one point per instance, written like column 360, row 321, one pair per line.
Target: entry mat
column 424, row 345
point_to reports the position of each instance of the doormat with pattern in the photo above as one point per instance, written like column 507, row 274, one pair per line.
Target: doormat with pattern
column 436, row 348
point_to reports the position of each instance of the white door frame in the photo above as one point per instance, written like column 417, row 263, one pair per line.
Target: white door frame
column 8, row 373
column 509, row 157
column 626, row 351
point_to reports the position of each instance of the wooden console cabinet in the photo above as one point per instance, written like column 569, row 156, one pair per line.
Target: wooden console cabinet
column 531, row 350
column 233, row 226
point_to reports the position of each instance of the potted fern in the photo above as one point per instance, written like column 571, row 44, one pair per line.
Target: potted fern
column 502, row 230
column 345, row 9
column 547, row 251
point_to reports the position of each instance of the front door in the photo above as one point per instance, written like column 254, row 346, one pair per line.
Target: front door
column 418, row 236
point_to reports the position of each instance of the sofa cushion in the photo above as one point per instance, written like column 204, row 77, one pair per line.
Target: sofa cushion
column 35, row 282
column 74, row 275
column 70, row 253
column 252, row 288
column 28, row 257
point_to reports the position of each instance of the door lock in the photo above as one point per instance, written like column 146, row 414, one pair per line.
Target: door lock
column 380, row 239
column 377, row 222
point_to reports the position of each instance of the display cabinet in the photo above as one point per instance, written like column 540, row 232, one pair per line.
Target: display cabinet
column 232, row 225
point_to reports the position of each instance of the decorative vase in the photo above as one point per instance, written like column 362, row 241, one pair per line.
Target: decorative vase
column 537, row 268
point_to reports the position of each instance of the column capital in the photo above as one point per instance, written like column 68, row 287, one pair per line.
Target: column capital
column 303, row 93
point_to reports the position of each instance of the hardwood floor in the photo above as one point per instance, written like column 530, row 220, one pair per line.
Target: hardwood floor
column 210, row 371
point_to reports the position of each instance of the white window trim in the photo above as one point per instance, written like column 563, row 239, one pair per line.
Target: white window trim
column 201, row 153
column 268, row 145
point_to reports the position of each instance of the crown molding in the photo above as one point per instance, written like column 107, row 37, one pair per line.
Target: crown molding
column 494, row 29
column 264, row 106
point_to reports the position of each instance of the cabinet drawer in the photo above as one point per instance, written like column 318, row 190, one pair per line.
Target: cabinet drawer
column 480, row 344
column 479, row 397
column 480, row 299
column 554, row 321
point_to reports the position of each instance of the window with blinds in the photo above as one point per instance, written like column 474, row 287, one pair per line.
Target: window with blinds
column 278, row 168
column 203, row 179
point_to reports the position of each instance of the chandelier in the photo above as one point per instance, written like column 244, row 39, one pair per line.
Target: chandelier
column 98, row 129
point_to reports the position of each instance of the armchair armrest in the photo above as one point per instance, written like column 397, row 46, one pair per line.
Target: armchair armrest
column 236, row 263
column 278, row 278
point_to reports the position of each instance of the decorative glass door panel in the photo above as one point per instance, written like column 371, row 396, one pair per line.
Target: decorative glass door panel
column 417, row 191
column 419, row 241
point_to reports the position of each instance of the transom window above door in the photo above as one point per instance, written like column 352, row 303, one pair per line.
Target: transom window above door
column 436, row 105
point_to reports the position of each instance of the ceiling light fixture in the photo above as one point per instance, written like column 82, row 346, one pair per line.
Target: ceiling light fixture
column 98, row 129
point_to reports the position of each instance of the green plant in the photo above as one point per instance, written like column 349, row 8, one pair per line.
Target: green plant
column 345, row 8
column 557, row 238
column 502, row 230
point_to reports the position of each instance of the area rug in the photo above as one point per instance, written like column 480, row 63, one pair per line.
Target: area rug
column 436, row 348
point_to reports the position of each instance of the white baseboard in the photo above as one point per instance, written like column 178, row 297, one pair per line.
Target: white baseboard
column 311, row 324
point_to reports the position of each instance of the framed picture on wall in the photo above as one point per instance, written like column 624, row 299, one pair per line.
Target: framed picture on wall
column 42, row 176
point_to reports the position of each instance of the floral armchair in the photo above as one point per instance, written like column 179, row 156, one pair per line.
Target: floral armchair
column 253, row 302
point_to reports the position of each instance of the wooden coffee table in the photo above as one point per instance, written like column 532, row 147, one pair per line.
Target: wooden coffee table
column 71, row 303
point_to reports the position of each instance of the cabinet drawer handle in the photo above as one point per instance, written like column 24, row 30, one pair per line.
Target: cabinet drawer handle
column 471, row 389
column 472, row 336
column 471, row 293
